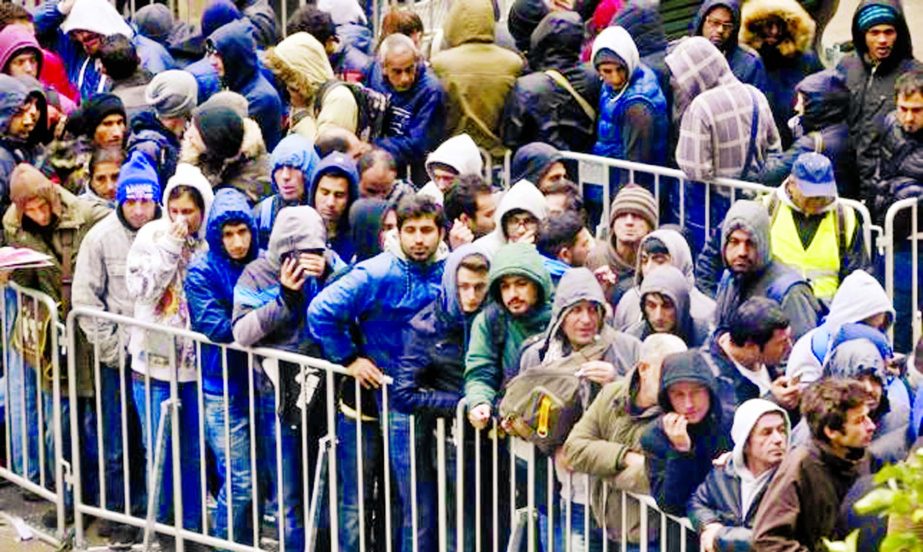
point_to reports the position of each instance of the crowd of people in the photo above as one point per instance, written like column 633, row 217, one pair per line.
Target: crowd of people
column 325, row 192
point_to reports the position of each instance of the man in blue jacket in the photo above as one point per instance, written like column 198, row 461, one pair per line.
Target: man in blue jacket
column 292, row 166
column 383, row 294
column 232, row 52
column 334, row 188
column 231, row 237
column 417, row 110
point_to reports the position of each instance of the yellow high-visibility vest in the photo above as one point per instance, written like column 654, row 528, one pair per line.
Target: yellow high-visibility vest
column 819, row 263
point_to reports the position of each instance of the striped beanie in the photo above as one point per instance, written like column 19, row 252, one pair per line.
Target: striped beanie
column 637, row 200
column 875, row 14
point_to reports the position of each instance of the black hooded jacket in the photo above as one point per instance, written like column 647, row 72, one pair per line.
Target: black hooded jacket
column 745, row 63
column 540, row 110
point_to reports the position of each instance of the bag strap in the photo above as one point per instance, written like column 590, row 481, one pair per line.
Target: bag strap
column 754, row 127
column 563, row 83
column 818, row 142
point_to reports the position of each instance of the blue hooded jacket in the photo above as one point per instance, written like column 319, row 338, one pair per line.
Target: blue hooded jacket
column 234, row 42
column 745, row 63
column 209, row 289
column 340, row 165
column 157, row 142
column 293, row 151
column 430, row 374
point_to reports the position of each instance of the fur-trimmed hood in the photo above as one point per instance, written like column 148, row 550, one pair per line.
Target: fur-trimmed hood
column 252, row 146
column 300, row 60
column 248, row 171
column 801, row 26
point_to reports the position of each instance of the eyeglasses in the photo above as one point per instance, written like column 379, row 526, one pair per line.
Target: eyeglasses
column 521, row 220
column 720, row 24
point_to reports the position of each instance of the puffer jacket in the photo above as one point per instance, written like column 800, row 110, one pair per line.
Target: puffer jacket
column 900, row 171
column 209, row 288
column 744, row 61
column 416, row 120
column 157, row 142
column 293, row 151
column 540, row 110
column 156, row 268
column 430, row 373
column 14, row 150
column 872, row 92
column 340, row 165
column 644, row 24
column 822, row 129
column 235, row 43
column 497, row 336
column 786, row 63
column 475, row 96
column 633, row 122
column 101, row 17
column 669, row 282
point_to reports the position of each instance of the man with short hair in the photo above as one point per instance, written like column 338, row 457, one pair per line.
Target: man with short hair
column 292, row 165
column 666, row 308
column 470, row 205
column 381, row 295
column 719, row 22
column 633, row 215
column 129, row 80
column 883, row 52
column 564, row 242
column 900, row 165
column 334, row 188
column 334, row 138
column 752, row 272
column 563, row 195
column 722, row 509
column 417, row 108
column 802, row 505
column 158, row 132
column 378, row 177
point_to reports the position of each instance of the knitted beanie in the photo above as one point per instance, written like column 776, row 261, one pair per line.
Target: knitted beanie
column 875, row 14
column 92, row 112
column 221, row 129
column 637, row 200
column 138, row 180
column 173, row 93
column 154, row 21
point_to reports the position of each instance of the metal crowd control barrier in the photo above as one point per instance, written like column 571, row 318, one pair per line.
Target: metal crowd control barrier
column 596, row 171
column 910, row 233
column 32, row 429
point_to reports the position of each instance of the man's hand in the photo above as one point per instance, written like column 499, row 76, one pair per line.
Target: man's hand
column 312, row 264
column 786, row 392
column 292, row 275
column 710, row 537
column 368, row 375
column 528, row 237
column 598, row 371
column 674, row 425
column 560, row 460
column 460, row 235
column 179, row 229
column 5, row 277
column 633, row 459
column 479, row 416
column 605, row 277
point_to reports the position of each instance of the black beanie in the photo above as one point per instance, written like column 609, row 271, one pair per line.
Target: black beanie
column 222, row 130
column 92, row 112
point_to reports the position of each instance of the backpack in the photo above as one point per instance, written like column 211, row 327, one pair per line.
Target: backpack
column 542, row 404
column 373, row 107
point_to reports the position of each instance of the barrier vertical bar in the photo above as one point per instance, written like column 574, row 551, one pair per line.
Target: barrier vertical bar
column 386, row 440
column 441, row 483
column 332, row 465
column 413, row 483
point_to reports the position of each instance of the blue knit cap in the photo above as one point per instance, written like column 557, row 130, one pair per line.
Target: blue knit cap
column 813, row 175
column 875, row 14
column 138, row 180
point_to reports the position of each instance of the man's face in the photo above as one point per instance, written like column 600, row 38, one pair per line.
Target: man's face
column 290, row 182
column 472, row 289
column 295, row 98
column 577, row 253
column 24, row 64
column 23, row 122
column 400, row 69
column 613, row 74
column 555, row 173
column 376, row 182
column 519, row 223
column 217, row 63
column 556, row 204
column 875, row 391
column 443, row 178
column 810, row 206
column 184, row 206
column 910, row 112
column 105, row 179
column 38, row 210
column 420, row 238
column 771, row 30
column 880, row 41
column 331, row 198
column 89, row 40
column 629, row 228
column 110, row 132
column 581, row 324
column 857, row 430
column 650, row 261
column 660, row 312
column 689, row 399
column 768, row 441
column 389, row 221
column 519, row 294
column 138, row 212
column 740, row 252
column 236, row 238
column 718, row 26
column 776, row 350
column 484, row 222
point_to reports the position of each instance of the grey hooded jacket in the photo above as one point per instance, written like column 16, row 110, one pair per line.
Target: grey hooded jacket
column 668, row 281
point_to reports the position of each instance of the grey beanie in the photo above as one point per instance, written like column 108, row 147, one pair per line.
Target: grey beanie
column 155, row 21
column 173, row 93
column 230, row 99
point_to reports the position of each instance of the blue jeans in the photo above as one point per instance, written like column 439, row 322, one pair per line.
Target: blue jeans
column 582, row 538
column 234, row 442
column 22, row 404
column 694, row 205
column 399, row 425
column 348, row 480
column 89, row 446
column 191, row 485
column 111, row 389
